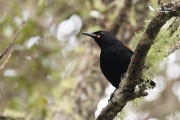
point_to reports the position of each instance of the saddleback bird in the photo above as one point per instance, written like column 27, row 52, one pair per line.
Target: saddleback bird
column 115, row 56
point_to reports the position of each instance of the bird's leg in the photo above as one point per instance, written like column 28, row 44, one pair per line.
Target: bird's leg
column 112, row 95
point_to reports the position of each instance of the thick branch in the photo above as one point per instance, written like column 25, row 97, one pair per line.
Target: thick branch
column 126, row 90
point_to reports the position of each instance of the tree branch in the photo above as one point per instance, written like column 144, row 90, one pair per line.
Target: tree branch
column 8, row 57
column 121, row 17
column 12, row 42
column 126, row 91
column 174, row 48
column 174, row 26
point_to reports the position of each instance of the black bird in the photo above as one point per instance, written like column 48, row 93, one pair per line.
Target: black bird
column 114, row 58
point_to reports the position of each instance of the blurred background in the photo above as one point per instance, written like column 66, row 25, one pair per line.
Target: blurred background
column 53, row 71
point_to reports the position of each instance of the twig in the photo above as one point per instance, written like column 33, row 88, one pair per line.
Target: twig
column 12, row 42
column 2, row 66
column 174, row 26
column 174, row 48
column 9, row 118
column 126, row 90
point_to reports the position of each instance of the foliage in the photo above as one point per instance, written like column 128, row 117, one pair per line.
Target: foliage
column 41, row 68
column 46, row 75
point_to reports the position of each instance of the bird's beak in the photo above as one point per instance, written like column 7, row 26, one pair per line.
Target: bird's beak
column 89, row 34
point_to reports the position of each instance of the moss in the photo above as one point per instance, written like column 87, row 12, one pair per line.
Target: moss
column 122, row 114
column 159, row 50
column 137, row 102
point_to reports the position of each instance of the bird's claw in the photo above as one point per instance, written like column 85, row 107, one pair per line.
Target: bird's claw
column 112, row 95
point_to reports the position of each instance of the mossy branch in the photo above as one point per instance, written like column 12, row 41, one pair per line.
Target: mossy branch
column 126, row 91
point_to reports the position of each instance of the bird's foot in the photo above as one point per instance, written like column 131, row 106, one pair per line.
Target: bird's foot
column 112, row 95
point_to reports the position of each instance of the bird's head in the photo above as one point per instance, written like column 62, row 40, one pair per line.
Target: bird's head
column 103, row 38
